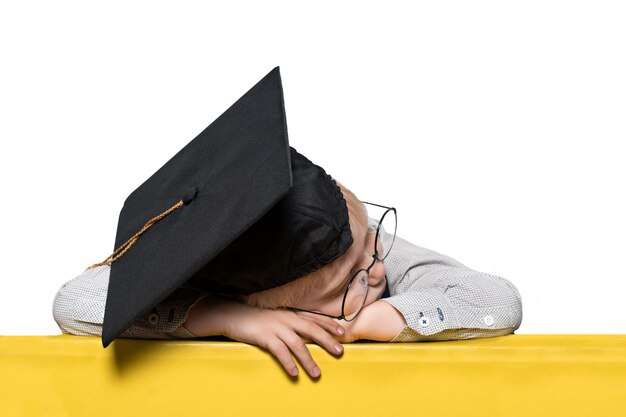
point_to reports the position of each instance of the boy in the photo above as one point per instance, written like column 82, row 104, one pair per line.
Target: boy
column 261, row 245
column 431, row 297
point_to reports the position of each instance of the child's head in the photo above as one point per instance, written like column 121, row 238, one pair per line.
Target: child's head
column 323, row 290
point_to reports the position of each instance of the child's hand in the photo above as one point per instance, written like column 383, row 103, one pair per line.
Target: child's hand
column 283, row 333
column 378, row 321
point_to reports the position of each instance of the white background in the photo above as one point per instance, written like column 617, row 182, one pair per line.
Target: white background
column 496, row 128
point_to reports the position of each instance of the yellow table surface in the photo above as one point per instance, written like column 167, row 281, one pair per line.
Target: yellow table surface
column 515, row 375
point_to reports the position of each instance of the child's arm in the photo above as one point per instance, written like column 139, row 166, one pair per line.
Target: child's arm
column 411, row 321
column 378, row 321
column 437, row 298
column 79, row 309
column 456, row 303
column 283, row 333
column 79, row 305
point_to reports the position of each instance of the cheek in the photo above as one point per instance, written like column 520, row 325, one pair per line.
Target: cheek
column 377, row 275
column 375, row 293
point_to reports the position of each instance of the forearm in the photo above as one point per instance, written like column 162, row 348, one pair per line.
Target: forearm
column 210, row 316
column 79, row 306
column 281, row 332
column 442, row 299
column 470, row 303
column 378, row 321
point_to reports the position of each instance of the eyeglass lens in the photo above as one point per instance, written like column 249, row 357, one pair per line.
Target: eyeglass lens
column 355, row 295
column 387, row 224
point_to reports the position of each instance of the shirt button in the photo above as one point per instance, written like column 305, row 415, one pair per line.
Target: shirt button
column 488, row 320
column 424, row 321
column 153, row 318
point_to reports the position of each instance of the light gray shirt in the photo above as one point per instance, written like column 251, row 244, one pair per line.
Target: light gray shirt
column 440, row 299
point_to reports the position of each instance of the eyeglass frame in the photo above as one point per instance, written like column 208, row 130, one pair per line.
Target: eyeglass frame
column 375, row 258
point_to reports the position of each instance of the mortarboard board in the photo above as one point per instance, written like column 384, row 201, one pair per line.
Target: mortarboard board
column 234, row 212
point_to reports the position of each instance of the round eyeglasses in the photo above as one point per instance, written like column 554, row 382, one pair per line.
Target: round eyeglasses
column 356, row 292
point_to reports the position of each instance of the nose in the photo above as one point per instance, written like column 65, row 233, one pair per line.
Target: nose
column 377, row 273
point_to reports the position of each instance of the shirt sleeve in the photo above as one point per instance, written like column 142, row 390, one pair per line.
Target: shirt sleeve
column 441, row 299
column 79, row 304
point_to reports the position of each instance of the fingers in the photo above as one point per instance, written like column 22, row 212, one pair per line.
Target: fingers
column 283, row 334
column 326, row 323
column 290, row 343
column 298, row 331
column 280, row 351
column 301, row 352
column 319, row 335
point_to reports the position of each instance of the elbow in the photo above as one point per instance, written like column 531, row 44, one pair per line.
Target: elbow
column 514, row 301
column 498, row 296
column 65, row 311
column 519, row 310
column 61, row 310
column 78, row 309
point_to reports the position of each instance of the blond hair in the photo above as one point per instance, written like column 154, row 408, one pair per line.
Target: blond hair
column 291, row 293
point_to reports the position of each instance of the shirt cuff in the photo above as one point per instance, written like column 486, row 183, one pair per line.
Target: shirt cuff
column 182, row 333
column 426, row 312
column 431, row 311
column 165, row 320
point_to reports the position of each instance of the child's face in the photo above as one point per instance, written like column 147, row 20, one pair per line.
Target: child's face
column 328, row 299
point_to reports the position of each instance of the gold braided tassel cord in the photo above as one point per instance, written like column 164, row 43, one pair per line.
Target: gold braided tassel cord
column 119, row 252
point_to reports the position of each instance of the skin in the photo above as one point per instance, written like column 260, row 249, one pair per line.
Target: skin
column 285, row 333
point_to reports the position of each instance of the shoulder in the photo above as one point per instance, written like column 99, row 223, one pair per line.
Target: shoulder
column 78, row 306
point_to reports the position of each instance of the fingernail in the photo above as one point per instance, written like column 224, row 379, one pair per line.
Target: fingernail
column 340, row 330
column 338, row 348
column 315, row 372
column 293, row 372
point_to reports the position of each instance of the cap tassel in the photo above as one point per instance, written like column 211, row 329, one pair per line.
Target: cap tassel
column 119, row 252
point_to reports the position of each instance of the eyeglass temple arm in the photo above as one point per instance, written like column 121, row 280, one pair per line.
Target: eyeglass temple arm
column 314, row 312
column 378, row 205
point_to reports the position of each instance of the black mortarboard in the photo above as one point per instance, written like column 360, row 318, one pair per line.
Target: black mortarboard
column 234, row 212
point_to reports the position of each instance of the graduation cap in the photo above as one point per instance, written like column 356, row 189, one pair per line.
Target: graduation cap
column 236, row 211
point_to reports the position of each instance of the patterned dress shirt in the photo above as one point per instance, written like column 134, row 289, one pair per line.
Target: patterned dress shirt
column 440, row 299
